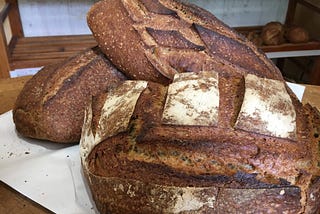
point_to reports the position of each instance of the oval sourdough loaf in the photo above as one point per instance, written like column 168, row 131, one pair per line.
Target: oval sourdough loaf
column 207, row 143
column 155, row 39
column 51, row 104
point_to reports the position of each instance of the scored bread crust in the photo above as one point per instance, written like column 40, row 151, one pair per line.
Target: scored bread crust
column 147, row 164
column 153, row 40
column 222, row 165
column 51, row 104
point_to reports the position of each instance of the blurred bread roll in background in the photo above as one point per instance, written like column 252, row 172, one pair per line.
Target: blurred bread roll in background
column 296, row 34
column 273, row 33
column 255, row 38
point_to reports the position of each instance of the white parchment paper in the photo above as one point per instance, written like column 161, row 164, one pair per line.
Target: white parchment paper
column 46, row 172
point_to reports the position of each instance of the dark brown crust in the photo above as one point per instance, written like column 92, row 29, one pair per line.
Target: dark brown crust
column 246, row 170
column 241, row 150
column 231, row 98
column 118, row 195
column 51, row 105
column 151, row 163
column 172, row 39
column 122, row 42
column 149, row 40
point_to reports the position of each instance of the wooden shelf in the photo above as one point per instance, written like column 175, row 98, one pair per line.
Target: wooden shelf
column 40, row 51
column 32, row 52
column 285, row 47
column 312, row 45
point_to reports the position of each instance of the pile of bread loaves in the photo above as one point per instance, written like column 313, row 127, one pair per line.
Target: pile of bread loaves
column 276, row 33
column 177, row 113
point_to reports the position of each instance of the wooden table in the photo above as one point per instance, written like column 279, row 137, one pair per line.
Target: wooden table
column 9, row 90
column 12, row 201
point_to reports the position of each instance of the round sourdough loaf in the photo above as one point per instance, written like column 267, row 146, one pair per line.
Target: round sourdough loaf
column 154, row 39
column 273, row 33
column 210, row 142
column 51, row 104
column 296, row 34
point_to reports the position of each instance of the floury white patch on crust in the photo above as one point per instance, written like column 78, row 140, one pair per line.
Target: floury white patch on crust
column 115, row 115
column 267, row 108
column 87, row 141
column 170, row 199
column 188, row 200
column 192, row 99
column 118, row 108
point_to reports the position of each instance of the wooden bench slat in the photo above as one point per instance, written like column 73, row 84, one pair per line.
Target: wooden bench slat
column 56, row 42
column 40, row 51
column 33, row 63
column 56, row 49
column 26, row 56
column 313, row 45
column 56, row 38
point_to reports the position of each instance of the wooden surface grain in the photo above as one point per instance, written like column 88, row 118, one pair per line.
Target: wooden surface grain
column 12, row 201
column 9, row 90
column 312, row 96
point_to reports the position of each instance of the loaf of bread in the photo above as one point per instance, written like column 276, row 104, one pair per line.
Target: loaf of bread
column 51, row 104
column 255, row 38
column 208, row 143
column 155, row 39
column 227, row 136
column 207, row 126
column 296, row 34
column 273, row 33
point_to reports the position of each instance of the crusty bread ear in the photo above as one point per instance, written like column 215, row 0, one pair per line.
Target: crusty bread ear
column 153, row 40
column 51, row 104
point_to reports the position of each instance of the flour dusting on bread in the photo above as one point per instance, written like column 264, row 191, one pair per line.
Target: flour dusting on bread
column 267, row 108
column 192, row 100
